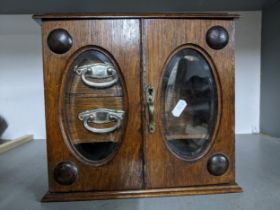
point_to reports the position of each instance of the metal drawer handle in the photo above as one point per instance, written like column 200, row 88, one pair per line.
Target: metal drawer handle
column 97, row 71
column 101, row 116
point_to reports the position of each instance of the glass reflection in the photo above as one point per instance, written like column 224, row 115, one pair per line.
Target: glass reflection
column 190, row 103
column 94, row 106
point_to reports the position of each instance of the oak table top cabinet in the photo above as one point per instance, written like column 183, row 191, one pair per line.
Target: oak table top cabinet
column 139, row 105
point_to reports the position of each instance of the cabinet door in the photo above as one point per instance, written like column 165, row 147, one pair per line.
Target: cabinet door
column 190, row 103
column 93, row 109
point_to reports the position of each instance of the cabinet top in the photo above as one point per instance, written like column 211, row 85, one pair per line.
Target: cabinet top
column 63, row 16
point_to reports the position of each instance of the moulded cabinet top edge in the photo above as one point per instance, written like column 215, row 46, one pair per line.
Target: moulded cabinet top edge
column 66, row 16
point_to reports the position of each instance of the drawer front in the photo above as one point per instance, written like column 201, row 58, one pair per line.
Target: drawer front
column 78, row 131
column 95, row 73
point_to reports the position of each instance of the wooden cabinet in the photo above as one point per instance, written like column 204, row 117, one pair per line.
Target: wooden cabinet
column 139, row 105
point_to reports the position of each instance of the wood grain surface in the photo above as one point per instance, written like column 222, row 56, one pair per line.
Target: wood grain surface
column 139, row 45
column 160, row 39
column 192, row 190
column 122, row 39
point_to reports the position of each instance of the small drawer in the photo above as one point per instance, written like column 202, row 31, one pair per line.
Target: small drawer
column 80, row 88
column 92, row 120
column 95, row 73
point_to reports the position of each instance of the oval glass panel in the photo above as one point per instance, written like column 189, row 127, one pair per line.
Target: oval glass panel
column 190, row 104
column 94, row 109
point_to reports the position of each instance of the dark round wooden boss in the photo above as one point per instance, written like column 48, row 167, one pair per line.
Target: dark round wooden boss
column 217, row 37
column 65, row 173
column 59, row 41
column 217, row 165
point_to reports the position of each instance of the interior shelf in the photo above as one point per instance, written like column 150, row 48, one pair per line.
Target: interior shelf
column 187, row 137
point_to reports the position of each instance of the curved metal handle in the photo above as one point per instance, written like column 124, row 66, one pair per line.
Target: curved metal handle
column 101, row 116
column 97, row 71
column 150, row 98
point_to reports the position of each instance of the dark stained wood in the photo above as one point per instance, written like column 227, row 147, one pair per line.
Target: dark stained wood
column 194, row 190
column 120, row 38
column 64, row 16
column 161, row 38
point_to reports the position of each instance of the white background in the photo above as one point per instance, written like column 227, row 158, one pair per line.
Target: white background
column 21, row 77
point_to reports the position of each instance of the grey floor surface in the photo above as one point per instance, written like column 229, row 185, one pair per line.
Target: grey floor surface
column 23, row 181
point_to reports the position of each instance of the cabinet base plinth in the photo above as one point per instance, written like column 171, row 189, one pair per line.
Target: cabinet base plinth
column 198, row 190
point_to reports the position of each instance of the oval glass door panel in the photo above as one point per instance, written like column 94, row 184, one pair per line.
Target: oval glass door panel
column 94, row 106
column 190, row 104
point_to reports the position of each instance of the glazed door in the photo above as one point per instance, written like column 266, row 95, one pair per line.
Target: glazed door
column 93, row 108
column 189, row 137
